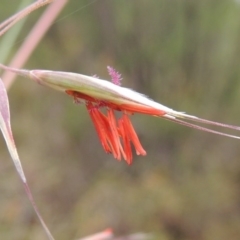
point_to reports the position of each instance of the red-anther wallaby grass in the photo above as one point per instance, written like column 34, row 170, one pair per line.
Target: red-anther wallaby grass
column 185, row 185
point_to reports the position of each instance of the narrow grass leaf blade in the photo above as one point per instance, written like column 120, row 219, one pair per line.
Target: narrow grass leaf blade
column 9, row 39
column 5, row 127
column 7, row 132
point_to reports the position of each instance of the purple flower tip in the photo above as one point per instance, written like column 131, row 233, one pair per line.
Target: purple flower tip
column 116, row 76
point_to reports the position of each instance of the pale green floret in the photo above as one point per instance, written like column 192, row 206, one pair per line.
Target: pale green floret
column 94, row 87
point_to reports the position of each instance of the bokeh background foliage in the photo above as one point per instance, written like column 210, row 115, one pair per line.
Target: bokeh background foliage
column 182, row 53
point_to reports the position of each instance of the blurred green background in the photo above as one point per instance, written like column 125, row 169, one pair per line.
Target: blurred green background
column 182, row 53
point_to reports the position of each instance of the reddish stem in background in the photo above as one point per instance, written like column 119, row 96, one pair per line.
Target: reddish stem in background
column 33, row 38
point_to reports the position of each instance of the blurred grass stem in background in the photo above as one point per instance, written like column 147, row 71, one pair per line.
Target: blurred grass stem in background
column 9, row 39
column 35, row 36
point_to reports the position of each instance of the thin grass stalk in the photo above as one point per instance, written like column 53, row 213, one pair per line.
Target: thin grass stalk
column 8, row 40
column 7, row 24
column 33, row 38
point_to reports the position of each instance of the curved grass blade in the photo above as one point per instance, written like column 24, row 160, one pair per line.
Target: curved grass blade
column 9, row 38
column 7, row 24
column 5, row 127
column 32, row 39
